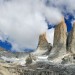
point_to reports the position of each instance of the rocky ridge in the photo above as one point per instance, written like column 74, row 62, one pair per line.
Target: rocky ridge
column 47, row 60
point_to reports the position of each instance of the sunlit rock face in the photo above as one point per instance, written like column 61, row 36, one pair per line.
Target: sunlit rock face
column 43, row 46
column 43, row 43
column 71, row 40
column 59, row 45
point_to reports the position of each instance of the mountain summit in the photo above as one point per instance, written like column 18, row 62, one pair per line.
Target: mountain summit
column 44, row 47
column 43, row 43
column 59, row 45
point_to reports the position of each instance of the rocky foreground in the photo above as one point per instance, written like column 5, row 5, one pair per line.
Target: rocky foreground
column 46, row 60
column 41, row 68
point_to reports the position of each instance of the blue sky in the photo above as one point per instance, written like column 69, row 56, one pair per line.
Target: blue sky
column 22, row 21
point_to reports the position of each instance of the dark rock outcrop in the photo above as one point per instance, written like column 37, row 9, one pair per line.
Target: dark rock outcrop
column 29, row 59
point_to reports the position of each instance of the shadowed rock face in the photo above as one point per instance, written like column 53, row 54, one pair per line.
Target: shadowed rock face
column 59, row 45
column 71, row 40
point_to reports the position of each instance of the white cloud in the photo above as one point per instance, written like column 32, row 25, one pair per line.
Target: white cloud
column 52, row 15
column 50, row 35
column 61, row 4
column 24, row 20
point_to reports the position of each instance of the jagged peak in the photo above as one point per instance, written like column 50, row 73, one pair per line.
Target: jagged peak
column 60, row 33
column 42, row 37
column 43, row 43
column 59, row 44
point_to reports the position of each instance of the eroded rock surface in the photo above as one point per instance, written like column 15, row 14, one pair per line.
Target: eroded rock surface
column 40, row 68
column 43, row 43
column 59, row 45
column 44, row 47
column 71, row 40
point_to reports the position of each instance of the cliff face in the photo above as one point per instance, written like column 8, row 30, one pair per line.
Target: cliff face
column 44, row 47
column 71, row 40
column 60, row 35
column 59, row 45
column 43, row 43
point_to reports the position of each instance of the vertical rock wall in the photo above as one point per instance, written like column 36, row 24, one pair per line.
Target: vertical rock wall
column 71, row 40
column 59, row 45
column 43, row 43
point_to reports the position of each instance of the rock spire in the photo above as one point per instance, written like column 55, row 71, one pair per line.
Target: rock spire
column 59, row 45
column 71, row 40
column 44, row 47
column 43, row 43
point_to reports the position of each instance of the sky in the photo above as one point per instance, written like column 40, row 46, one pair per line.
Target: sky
column 22, row 21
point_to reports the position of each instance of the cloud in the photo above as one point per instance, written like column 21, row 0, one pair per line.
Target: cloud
column 73, row 22
column 66, row 6
column 50, row 35
column 53, row 15
column 22, row 21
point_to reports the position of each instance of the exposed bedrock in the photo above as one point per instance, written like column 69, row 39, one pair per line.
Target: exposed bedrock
column 71, row 40
column 44, row 47
column 59, row 45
